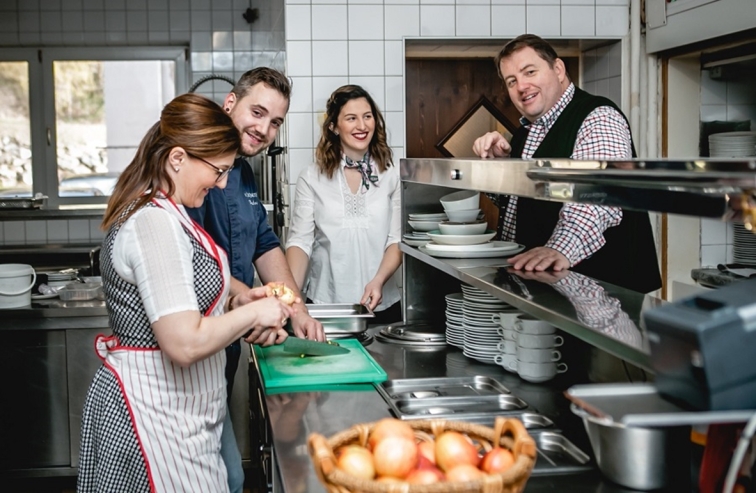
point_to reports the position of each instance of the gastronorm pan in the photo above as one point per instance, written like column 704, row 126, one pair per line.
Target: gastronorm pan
column 456, row 407
column 532, row 421
column 558, row 455
column 341, row 318
column 423, row 388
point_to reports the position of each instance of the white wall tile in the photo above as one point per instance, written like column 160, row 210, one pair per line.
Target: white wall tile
column 578, row 2
column 730, row 233
column 712, row 91
column 317, row 127
column 543, row 2
column 741, row 91
column 507, row 20
column 589, row 86
column 610, row 88
column 57, row 231
column 366, row 22
column 95, row 233
column 436, row 20
column 621, row 3
column 322, row 87
column 713, row 232
column 299, row 159
column 402, row 20
column 329, row 22
column 394, row 94
column 329, row 58
column 712, row 112
column 402, row 2
column 395, row 128
column 300, row 125
column 301, row 94
column 742, row 112
column 376, row 86
column 78, row 230
column 36, row 232
column 612, row 21
column 437, row 2
column 14, row 233
column 508, row 2
column 298, row 18
column 394, row 52
column 338, row 2
column 578, row 20
column 366, row 58
column 612, row 58
column 473, row 20
column 298, row 58
column 398, row 153
column 473, row 2
column 544, row 20
column 589, row 66
column 712, row 255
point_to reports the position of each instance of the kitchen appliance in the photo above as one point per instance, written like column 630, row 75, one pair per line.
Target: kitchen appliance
column 699, row 346
column 304, row 347
column 282, row 370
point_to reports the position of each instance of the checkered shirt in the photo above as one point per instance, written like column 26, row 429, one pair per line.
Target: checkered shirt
column 604, row 134
column 110, row 456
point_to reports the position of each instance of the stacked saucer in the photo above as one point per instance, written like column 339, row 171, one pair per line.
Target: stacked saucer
column 732, row 144
column 744, row 245
column 425, row 222
column 479, row 335
column 454, row 320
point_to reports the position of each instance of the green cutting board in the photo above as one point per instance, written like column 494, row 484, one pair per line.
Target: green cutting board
column 280, row 369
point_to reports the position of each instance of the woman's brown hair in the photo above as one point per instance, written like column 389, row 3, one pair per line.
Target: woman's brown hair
column 328, row 153
column 190, row 121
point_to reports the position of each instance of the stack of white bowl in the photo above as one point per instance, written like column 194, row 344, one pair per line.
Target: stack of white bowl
column 462, row 206
column 528, row 347
column 421, row 223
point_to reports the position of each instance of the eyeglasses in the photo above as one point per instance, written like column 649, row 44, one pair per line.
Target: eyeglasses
column 221, row 172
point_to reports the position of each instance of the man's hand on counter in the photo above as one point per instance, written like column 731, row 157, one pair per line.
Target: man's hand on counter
column 306, row 327
column 540, row 259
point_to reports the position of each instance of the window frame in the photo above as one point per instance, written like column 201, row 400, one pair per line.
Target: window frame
column 42, row 103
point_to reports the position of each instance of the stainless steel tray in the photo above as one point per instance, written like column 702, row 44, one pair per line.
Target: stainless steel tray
column 422, row 388
column 558, row 455
column 341, row 318
column 639, row 404
column 533, row 422
column 456, row 407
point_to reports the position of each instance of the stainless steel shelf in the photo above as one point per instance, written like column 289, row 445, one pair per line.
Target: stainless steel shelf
column 573, row 310
column 703, row 188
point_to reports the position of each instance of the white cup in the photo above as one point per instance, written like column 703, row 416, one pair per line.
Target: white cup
column 529, row 325
column 537, row 372
column 528, row 355
column 538, row 341
column 507, row 346
column 505, row 360
column 505, row 319
column 506, row 334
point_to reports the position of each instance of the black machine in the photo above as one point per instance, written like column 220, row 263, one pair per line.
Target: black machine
column 703, row 348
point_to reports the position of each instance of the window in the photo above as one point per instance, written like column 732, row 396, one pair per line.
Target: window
column 71, row 119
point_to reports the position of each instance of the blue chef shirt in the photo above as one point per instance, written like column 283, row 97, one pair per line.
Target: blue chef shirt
column 237, row 221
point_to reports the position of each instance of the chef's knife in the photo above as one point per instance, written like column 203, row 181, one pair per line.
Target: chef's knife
column 305, row 347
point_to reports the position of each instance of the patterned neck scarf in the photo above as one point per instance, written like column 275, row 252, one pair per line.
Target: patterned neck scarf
column 366, row 168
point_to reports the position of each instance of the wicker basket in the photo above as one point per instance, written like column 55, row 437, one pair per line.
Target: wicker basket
column 509, row 432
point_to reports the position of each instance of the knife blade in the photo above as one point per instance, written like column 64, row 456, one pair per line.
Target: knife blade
column 312, row 348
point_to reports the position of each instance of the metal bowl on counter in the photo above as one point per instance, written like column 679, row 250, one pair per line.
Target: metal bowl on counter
column 341, row 320
column 636, row 457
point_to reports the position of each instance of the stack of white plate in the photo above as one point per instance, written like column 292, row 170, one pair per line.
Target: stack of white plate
column 416, row 238
column 744, row 245
column 426, row 221
column 480, row 337
column 732, row 144
column 454, row 320
column 57, row 279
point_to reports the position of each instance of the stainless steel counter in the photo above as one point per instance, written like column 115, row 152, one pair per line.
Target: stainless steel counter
column 55, row 314
column 294, row 416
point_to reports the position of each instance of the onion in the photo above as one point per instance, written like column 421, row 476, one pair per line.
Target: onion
column 388, row 479
column 389, row 427
column 464, row 472
column 395, row 456
column 356, row 461
column 425, row 476
column 428, row 451
column 453, row 448
column 497, row 460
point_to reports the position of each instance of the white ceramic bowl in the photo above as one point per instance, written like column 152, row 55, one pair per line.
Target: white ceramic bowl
column 450, row 228
column 463, row 216
column 464, row 199
column 423, row 225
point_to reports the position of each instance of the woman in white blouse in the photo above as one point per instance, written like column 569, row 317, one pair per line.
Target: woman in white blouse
column 343, row 245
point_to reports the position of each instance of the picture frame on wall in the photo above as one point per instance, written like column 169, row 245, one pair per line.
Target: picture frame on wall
column 481, row 118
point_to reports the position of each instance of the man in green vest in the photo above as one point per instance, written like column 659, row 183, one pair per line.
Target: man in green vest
column 561, row 121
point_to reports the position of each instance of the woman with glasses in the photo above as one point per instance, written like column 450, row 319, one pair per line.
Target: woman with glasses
column 153, row 416
column 343, row 245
